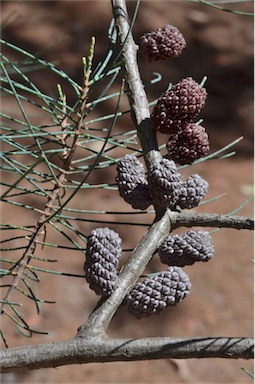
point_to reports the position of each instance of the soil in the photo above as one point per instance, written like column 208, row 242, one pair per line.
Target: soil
column 219, row 46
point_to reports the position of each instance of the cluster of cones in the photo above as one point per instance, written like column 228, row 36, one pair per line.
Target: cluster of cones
column 156, row 292
column 163, row 186
column 177, row 108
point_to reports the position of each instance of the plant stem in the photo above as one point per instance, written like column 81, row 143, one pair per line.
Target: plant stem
column 165, row 221
column 137, row 97
column 185, row 219
column 80, row 351
column 99, row 319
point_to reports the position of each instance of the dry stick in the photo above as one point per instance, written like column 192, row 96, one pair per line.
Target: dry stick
column 79, row 351
column 54, row 194
column 30, row 249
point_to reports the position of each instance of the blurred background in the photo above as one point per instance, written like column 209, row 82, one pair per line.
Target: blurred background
column 219, row 46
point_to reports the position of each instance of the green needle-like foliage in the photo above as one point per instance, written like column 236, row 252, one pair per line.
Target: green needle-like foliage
column 50, row 148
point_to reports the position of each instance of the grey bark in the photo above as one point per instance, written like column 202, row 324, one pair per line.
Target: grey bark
column 80, row 351
column 210, row 220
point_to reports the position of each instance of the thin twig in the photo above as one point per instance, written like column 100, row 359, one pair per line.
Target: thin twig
column 48, row 211
column 184, row 219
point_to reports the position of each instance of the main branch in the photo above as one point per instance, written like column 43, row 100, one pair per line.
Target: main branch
column 138, row 101
column 80, row 351
column 100, row 318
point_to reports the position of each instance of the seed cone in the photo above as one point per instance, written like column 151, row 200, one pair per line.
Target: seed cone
column 162, row 43
column 178, row 106
column 158, row 292
column 192, row 191
column 102, row 258
column 164, row 183
column 190, row 145
column 186, row 249
column 132, row 183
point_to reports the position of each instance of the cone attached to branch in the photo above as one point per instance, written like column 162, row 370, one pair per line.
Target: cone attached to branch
column 179, row 105
column 164, row 183
column 158, row 292
column 102, row 258
column 192, row 191
column 181, row 250
column 162, row 43
column 132, row 183
column 189, row 145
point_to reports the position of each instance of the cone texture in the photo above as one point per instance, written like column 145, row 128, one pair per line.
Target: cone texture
column 186, row 249
column 177, row 106
column 190, row 145
column 158, row 292
column 102, row 259
column 192, row 191
column 164, row 183
column 162, row 43
column 132, row 183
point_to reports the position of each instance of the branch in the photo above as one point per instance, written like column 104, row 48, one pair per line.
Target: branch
column 79, row 351
column 138, row 101
column 213, row 4
column 90, row 344
column 165, row 221
column 99, row 320
column 48, row 211
column 210, row 220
